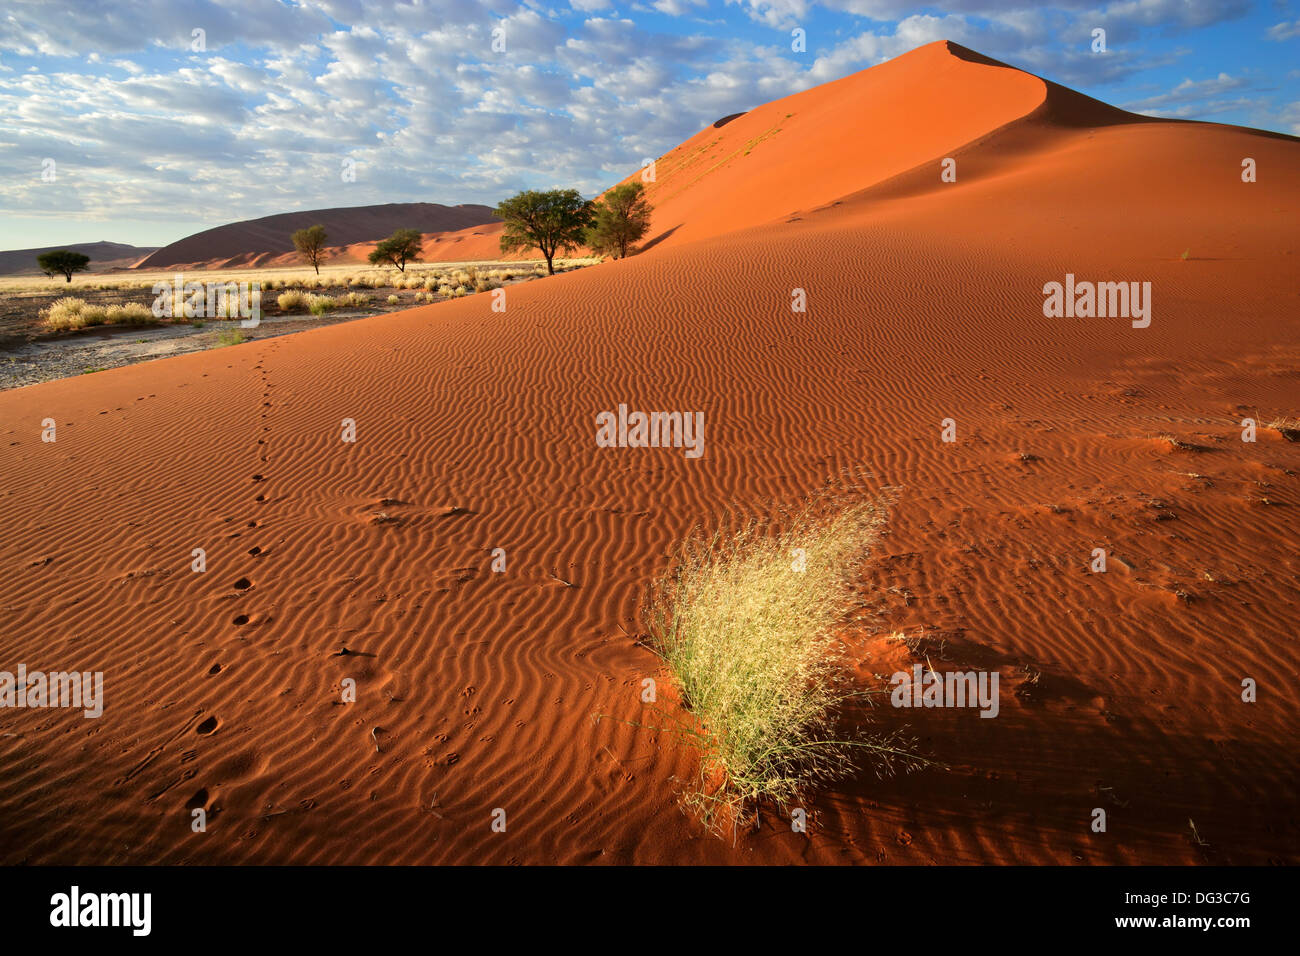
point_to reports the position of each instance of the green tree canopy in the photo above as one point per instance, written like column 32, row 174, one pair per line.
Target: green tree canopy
column 551, row 221
column 622, row 218
column 401, row 247
column 62, row 262
column 310, row 243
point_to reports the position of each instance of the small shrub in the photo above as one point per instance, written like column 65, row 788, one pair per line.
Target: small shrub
column 752, row 645
column 292, row 301
column 64, row 314
column 130, row 313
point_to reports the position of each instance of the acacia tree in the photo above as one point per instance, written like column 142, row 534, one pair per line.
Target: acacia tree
column 553, row 221
column 62, row 261
column 310, row 243
column 622, row 218
column 403, row 246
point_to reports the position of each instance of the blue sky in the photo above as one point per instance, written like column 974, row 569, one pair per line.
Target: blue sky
column 152, row 139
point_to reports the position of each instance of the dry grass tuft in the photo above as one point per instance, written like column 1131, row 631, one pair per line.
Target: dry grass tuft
column 294, row 300
column 70, row 313
column 752, row 644
column 1288, row 428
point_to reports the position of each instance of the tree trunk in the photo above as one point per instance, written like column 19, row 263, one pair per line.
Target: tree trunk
column 550, row 267
column 69, row 276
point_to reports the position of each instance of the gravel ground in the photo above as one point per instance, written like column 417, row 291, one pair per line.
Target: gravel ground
column 104, row 347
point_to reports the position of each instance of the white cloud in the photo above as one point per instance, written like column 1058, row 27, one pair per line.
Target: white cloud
column 1290, row 117
column 413, row 92
column 1184, row 98
column 1284, row 30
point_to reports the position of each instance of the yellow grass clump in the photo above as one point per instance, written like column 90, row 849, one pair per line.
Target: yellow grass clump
column 748, row 630
column 292, row 301
column 69, row 313
column 320, row 304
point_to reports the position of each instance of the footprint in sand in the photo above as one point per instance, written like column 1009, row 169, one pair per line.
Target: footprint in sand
column 208, row 727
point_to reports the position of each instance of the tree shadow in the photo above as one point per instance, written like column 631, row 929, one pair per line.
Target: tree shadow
column 658, row 239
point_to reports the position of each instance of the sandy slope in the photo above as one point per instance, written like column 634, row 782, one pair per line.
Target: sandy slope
column 471, row 244
column 480, row 688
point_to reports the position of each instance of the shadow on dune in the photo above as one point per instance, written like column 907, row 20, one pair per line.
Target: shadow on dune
column 646, row 247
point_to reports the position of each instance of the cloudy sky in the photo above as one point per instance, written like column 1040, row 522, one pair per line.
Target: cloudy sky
column 163, row 117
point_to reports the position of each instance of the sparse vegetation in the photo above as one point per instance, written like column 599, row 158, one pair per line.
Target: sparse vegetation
column 552, row 222
column 1288, row 428
column 751, row 642
column 71, row 313
column 621, row 219
column 401, row 247
column 353, row 300
column 320, row 304
column 310, row 243
column 62, row 262
column 293, row 300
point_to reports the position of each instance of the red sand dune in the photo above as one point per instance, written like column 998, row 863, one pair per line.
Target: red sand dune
column 478, row 690
column 482, row 242
column 472, row 243
column 266, row 241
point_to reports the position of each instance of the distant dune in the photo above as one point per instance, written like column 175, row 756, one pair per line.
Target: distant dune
column 476, row 692
column 103, row 257
column 787, row 158
column 265, row 241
